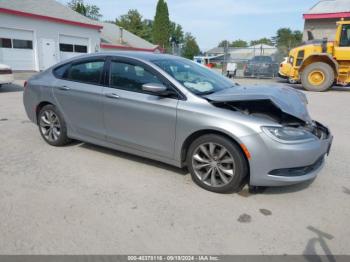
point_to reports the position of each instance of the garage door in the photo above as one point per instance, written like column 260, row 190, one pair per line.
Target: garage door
column 71, row 46
column 16, row 49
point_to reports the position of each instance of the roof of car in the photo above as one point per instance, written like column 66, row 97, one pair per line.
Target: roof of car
column 148, row 56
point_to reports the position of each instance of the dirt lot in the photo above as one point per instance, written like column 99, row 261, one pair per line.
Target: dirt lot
column 84, row 199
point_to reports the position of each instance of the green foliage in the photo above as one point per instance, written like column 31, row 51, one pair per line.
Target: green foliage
column 160, row 30
column 161, row 26
column 239, row 43
column 264, row 41
column 147, row 32
column 224, row 43
column 191, row 47
column 133, row 22
column 90, row 11
column 176, row 32
column 236, row 43
column 286, row 39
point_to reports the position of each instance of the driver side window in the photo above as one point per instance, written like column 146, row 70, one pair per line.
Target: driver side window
column 345, row 36
column 130, row 77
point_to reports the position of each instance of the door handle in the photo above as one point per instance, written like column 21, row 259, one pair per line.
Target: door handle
column 112, row 95
column 64, row 88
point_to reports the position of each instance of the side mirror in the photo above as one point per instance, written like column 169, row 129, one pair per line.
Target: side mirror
column 155, row 88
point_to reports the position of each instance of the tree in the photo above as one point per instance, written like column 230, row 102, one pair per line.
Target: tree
column 191, row 47
column 236, row 43
column 134, row 23
column 146, row 32
column 224, row 43
column 90, row 11
column 161, row 26
column 265, row 41
column 176, row 32
column 287, row 39
column 239, row 43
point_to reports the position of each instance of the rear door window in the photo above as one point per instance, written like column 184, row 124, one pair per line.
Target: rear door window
column 86, row 72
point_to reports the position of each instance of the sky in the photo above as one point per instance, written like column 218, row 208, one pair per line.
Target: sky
column 211, row 21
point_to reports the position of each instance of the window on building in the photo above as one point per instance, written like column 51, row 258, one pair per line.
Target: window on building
column 345, row 36
column 130, row 77
column 22, row 44
column 66, row 48
column 5, row 43
column 86, row 72
column 80, row 48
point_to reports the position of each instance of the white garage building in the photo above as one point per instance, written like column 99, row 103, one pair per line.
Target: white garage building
column 35, row 34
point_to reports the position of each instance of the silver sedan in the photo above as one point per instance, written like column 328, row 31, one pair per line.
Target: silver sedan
column 175, row 111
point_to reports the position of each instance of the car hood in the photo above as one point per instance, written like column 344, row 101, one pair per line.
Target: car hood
column 287, row 99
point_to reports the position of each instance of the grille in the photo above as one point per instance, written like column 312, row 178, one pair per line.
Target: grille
column 297, row 171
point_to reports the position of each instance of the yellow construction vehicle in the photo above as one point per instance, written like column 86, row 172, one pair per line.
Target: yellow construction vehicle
column 318, row 64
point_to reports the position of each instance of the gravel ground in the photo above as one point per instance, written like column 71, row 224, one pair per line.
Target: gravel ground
column 84, row 199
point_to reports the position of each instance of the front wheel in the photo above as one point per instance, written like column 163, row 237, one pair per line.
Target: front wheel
column 317, row 77
column 52, row 126
column 217, row 164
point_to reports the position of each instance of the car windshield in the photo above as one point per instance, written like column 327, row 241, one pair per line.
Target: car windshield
column 196, row 78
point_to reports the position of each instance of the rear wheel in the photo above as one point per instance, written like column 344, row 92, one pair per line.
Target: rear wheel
column 317, row 77
column 52, row 126
column 217, row 164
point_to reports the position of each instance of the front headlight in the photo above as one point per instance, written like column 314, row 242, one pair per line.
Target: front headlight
column 288, row 134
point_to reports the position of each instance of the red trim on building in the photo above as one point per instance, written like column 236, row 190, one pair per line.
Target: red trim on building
column 130, row 48
column 48, row 18
column 326, row 15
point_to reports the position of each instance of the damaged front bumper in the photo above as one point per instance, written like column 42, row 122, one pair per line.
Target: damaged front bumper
column 276, row 164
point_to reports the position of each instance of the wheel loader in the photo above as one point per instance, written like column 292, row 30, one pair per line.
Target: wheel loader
column 319, row 64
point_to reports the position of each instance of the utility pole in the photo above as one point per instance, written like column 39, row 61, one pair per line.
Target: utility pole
column 225, row 58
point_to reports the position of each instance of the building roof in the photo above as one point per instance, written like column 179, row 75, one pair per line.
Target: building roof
column 113, row 36
column 47, row 10
column 329, row 9
column 239, row 50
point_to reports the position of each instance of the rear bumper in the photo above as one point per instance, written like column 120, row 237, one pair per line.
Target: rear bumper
column 6, row 79
column 259, row 72
column 276, row 164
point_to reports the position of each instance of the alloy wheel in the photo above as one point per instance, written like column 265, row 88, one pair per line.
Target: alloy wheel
column 213, row 164
column 50, row 125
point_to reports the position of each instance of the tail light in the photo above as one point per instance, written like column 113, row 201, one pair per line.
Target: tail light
column 25, row 85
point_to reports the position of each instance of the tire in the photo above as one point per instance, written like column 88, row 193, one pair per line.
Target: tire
column 233, row 172
column 52, row 126
column 323, row 77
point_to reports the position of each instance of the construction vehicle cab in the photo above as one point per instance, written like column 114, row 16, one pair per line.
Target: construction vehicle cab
column 318, row 64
